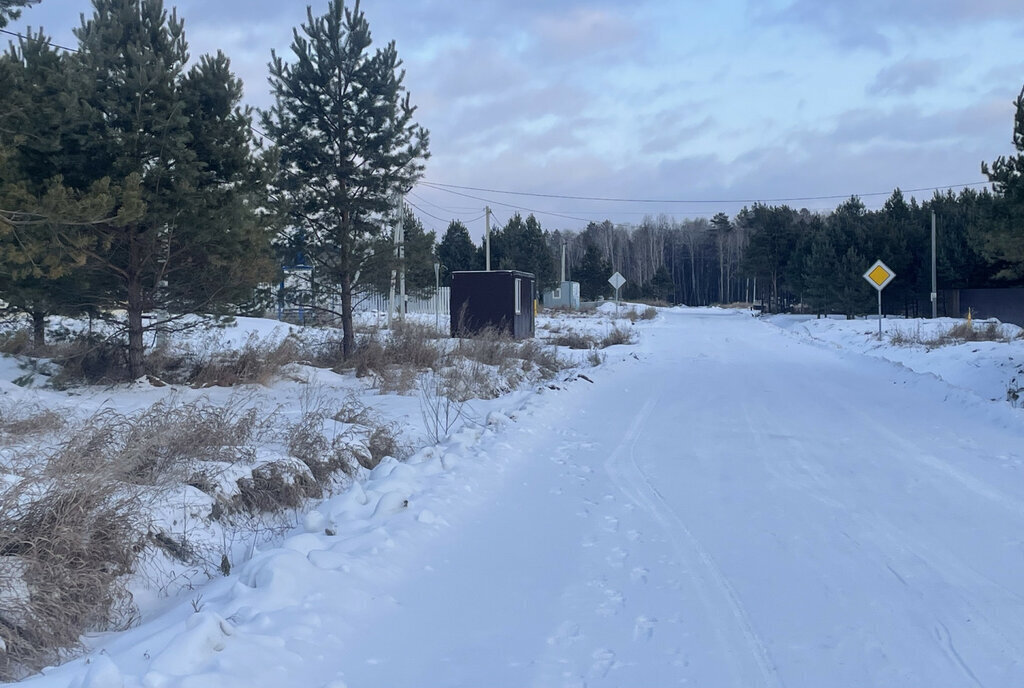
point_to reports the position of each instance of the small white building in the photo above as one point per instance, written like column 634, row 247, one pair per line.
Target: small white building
column 565, row 295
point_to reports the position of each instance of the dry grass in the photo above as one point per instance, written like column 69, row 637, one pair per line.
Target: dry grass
column 163, row 445
column 987, row 331
column 258, row 362
column 275, row 487
column 66, row 542
column 19, row 421
column 575, row 340
column 615, row 337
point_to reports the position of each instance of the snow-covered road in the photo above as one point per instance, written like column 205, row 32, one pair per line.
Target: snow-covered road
column 729, row 507
column 735, row 508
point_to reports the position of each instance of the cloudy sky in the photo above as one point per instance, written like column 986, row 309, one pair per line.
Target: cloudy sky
column 698, row 106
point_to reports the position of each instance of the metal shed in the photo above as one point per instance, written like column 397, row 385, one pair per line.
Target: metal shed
column 565, row 295
column 498, row 299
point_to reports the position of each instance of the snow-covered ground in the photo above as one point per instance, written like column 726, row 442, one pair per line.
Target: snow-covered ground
column 730, row 502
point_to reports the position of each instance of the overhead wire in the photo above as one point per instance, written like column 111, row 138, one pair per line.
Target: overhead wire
column 447, row 187
column 514, row 206
column 450, row 188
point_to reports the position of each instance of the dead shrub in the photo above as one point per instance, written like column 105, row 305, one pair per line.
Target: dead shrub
column 258, row 362
column 29, row 421
column 394, row 360
column 575, row 340
column 650, row 313
column 324, row 458
column 489, row 347
column 162, row 445
column 545, row 359
column 17, row 342
column 89, row 359
column 274, row 487
column 384, row 440
column 986, row 331
column 369, row 356
column 615, row 337
column 396, row 379
column 413, row 344
column 977, row 332
column 66, row 544
column 441, row 405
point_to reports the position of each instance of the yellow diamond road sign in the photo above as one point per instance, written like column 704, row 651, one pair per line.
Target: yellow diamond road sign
column 879, row 275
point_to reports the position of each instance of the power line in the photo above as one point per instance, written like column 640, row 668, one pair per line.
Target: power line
column 510, row 205
column 447, row 187
column 55, row 45
column 441, row 207
column 424, row 211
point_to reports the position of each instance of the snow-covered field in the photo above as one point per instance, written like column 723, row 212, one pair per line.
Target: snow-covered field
column 731, row 501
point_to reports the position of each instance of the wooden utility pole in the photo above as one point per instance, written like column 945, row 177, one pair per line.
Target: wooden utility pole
column 935, row 282
column 401, row 256
column 487, row 238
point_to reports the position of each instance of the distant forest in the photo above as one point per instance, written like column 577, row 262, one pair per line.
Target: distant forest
column 791, row 257
column 784, row 257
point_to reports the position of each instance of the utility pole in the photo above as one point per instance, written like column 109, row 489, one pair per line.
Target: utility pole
column 401, row 256
column 563, row 259
column 935, row 283
column 487, row 238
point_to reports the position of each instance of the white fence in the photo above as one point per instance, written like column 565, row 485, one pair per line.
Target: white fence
column 362, row 302
column 370, row 302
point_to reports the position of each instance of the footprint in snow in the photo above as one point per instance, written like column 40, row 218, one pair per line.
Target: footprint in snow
column 617, row 557
column 643, row 627
column 566, row 634
column 604, row 661
column 638, row 575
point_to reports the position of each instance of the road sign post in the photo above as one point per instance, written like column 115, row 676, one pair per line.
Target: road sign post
column 879, row 276
column 616, row 281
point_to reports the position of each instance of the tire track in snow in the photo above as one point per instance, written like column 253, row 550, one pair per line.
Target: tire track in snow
column 753, row 667
column 890, row 543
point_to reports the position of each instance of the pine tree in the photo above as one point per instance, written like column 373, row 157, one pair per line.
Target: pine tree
column 9, row 10
column 348, row 142
column 419, row 259
column 42, row 247
column 821, row 274
column 1004, row 238
column 722, row 230
column 520, row 245
column 592, row 273
column 182, row 140
column 456, row 251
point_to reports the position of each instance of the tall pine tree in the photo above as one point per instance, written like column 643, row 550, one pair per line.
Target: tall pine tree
column 186, row 144
column 456, row 251
column 348, row 142
column 1004, row 240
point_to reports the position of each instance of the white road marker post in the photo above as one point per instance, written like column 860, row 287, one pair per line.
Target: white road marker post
column 879, row 275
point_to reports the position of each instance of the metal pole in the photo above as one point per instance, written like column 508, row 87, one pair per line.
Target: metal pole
column 437, row 296
column 879, row 315
column 935, row 283
column 391, row 298
column 487, row 238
